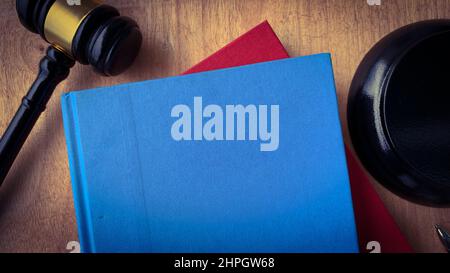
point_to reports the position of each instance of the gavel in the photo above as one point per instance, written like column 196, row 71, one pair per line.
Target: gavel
column 86, row 31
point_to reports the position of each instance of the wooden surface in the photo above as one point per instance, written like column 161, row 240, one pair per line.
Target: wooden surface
column 36, row 206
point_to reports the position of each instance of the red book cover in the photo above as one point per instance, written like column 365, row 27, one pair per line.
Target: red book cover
column 373, row 221
column 260, row 44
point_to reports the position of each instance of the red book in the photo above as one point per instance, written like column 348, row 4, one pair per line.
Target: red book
column 373, row 221
column 260, row 44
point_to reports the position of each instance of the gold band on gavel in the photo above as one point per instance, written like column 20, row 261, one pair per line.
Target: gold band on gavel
column 63, row 20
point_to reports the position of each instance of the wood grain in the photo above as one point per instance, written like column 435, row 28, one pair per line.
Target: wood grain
column 36, row 206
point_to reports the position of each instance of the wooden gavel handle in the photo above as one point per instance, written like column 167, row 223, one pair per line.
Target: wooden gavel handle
column 53, row 69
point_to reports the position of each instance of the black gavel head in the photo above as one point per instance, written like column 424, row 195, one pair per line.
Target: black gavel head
column 86, row 30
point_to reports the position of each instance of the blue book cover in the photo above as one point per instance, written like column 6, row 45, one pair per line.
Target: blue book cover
column 246, row 159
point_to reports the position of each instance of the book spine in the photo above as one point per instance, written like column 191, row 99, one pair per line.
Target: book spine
column 77, row 173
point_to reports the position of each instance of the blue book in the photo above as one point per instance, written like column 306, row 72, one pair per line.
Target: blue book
column 247, row 159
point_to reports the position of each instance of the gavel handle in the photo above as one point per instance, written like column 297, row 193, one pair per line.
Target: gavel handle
column 53, row 69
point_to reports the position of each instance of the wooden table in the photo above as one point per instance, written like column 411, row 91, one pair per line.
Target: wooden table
column 36, row 206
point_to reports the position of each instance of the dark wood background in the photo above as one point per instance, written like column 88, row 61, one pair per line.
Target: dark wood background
column 36, row 206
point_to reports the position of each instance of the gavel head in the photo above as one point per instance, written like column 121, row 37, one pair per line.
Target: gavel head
column 86, row 30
